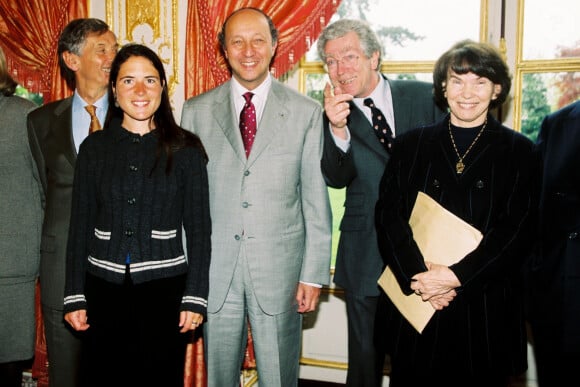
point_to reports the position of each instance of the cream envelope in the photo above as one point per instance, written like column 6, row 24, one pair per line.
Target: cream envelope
column 442, row 238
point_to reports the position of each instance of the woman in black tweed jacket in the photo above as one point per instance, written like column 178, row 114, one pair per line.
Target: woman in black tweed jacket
column 138, row 183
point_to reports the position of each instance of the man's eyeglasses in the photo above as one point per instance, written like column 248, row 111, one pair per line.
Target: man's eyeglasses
column 346, row 61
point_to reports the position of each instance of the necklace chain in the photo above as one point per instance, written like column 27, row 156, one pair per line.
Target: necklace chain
column 460, row 166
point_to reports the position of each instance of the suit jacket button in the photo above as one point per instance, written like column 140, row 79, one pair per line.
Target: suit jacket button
column 573, row 235
column 436, row 183
column 245, row 204
column 246, row 173
column 237, row 237
column 479, row 184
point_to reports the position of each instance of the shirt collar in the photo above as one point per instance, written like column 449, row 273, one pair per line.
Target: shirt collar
column 377, row 95
column 259, row 98
column 102, row 103
column 261, row 91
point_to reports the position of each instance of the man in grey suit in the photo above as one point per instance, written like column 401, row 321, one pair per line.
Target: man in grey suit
column 355, row 158
column 269, row 206
column 19, row 233
column 86, row 49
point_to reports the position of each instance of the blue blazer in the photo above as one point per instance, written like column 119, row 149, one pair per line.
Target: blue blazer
column 554, row 272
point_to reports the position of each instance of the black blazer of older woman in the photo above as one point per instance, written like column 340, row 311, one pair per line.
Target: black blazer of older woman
column 482, row 331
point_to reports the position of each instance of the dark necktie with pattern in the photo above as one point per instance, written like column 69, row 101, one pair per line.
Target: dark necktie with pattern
column 95, row 125
column 248, row 125
column 380, row 125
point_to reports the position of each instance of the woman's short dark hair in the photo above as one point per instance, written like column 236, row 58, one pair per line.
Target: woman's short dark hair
column 468, row 56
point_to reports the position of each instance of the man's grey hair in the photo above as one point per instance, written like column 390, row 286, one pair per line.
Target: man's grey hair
column 368, row 38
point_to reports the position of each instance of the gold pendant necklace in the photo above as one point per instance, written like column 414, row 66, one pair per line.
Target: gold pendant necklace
column 460, row 166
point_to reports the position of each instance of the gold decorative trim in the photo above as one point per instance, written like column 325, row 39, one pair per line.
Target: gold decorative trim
column 532, row 66
column 332, row 291
column 407, row 67
column 152, row 23
column 323, row 363
column 517, row 86
column 249, row 377
column 483, row 20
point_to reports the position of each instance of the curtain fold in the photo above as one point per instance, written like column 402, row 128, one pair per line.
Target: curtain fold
column 30, row 42
column 298, row 21
column 29, row 31
column 30, row 46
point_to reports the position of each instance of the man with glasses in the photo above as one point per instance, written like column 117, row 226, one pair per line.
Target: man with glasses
column 364, row 111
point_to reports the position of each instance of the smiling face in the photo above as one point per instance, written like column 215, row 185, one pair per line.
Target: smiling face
column 468, row 96
column 138, row 90
column 93, row 65
column 355, row 77
column 248, row 47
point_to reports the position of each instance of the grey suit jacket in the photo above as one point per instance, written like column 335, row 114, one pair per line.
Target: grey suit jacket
column 274, row 204
column 19, row 231
column 358, row 261
column 52, row 145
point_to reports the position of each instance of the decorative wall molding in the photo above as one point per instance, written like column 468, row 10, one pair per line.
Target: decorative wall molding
column 152, row 23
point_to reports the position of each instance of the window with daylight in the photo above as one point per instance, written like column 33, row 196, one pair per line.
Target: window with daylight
column 547, row 75
column 412, row 42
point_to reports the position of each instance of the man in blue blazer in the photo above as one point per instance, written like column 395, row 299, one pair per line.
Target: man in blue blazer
column 86, row 49
column 271, row 222
column 355, row 158
column 554, row 273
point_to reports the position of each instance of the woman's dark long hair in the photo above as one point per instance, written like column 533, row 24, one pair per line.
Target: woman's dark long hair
column 171, row 136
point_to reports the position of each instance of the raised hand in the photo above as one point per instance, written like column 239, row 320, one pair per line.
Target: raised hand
column 337, row 108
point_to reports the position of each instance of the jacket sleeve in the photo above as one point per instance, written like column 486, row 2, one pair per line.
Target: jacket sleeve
column 197, row 226
column 337, row 166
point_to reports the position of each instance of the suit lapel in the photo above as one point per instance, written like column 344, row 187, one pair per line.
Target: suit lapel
column 402, row 107
column 228, row 122
column 360, row 127
column 62, row 129
column 274, row 119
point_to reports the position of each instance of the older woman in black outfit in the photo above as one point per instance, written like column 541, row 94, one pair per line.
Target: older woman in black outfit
column 486, row 174
column 137, row 183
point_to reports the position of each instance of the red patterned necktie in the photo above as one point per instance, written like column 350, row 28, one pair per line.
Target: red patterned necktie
column 248, row 125
column 381, row 126
column 95, row 125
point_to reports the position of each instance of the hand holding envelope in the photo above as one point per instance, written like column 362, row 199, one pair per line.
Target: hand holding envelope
column 443, row 239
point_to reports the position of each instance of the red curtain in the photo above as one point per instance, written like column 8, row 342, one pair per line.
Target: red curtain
column 30, row 45
column 298, row 21
column 29, row 31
